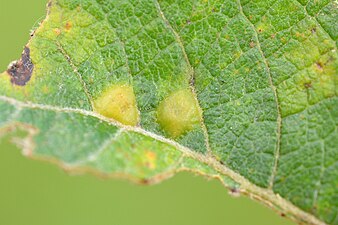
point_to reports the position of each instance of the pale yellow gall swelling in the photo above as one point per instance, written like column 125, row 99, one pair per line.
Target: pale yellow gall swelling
column 119, row 103
column 178, row 113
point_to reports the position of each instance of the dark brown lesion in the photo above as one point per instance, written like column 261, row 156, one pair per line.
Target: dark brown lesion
column 308, row 85
column 21, row 70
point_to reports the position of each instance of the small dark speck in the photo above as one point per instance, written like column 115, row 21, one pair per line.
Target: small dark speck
column 188, row 22
column 319, row 65
column 313, row 30
column 145, row 181
column 192, row 82
column 49, row 6
column 235, row 192
column 308, row 85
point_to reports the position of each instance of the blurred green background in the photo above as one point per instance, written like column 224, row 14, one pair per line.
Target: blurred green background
column 37, row 193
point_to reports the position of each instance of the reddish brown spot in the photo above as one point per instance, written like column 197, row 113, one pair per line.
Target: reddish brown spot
column 260, row 30
column 145, row 181
column 57, row 31
column 21, row 71
column 68, row 25
column 282, row 215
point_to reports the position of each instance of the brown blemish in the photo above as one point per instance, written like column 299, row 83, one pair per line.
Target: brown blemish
column 57, row 31
column 21, row 71
column 68, row 26
column 313, row 30
column 319, row 66
column 252, row 44
column 235, row 192
column 260, row 30
column 49, row 6
column 145, row 181
column 308, row 85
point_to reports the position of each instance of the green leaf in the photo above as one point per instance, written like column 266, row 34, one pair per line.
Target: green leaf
column 241, row 91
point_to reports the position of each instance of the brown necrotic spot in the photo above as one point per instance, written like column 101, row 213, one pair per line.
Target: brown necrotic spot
column 21, row 71
column 319, row 66
column 68, row 25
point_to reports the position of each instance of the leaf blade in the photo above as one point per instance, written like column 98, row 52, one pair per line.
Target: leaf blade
column 241, row 62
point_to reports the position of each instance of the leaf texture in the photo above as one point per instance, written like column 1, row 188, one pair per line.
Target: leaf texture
column 242, row 91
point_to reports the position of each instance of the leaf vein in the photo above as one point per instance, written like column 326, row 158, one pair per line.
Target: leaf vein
column 191, row 71
column 274, row 89
column 265, row 195
column 75, row 69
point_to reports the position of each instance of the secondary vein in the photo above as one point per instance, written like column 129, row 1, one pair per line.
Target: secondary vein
column 75, row 69
column 274, row 89
column 191, row 73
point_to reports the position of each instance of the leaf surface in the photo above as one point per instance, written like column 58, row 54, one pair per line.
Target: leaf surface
column 241, row 91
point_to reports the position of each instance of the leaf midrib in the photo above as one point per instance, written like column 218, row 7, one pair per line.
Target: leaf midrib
column 265, row 195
